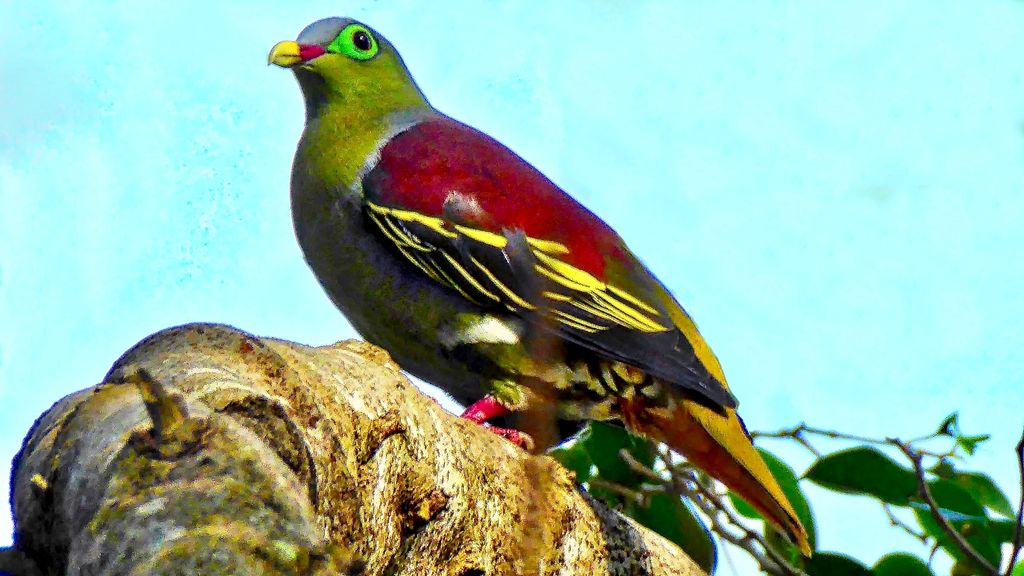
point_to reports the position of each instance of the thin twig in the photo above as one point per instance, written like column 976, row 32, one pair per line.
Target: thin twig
column 803, row 428
column 636, row 496
column 803, row 441
column 640, row 468
column 1020, row 509
column 923, row 537
column 719, row 505
column 714, row 509
column 797, row 433
column 933, row 506
column 931, row 436
column 742, row 541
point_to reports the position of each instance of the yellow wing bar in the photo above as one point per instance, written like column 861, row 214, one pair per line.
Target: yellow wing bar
column 602, row 305
column 597, row 298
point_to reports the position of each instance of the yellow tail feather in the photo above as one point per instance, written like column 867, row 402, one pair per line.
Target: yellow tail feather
column 717, row 443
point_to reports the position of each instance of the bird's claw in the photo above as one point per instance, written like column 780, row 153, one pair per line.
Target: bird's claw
column 488, row 407
column 517, row 437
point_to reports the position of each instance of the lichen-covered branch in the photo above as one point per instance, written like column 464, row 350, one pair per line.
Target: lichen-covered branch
column 208, row 450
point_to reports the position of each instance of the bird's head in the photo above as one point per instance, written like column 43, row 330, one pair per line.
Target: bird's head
column 339, row 61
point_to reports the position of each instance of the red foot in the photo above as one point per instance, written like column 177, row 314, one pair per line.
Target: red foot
column 488, row 407
column 484, row 409
column 521, row 439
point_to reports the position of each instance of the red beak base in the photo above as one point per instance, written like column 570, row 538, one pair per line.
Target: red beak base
column 309, row 51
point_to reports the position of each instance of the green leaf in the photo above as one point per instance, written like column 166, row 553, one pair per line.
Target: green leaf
column 976, row 533
column 970, row 443
column 671, row 517
column 967, row 517
column 901, row 564
column 965, row 514
column 742, row 508
column 1018, row 570
column 832, row 564
column 951, row 515
column 943, row 469
column 985, row 492
column 604, row 441
column 781, row 545
column 1002, row 530
column 791, row 488
column 611, row 498
column 951, row 497
column 950, row 426
column 787, row 480
column 575, row 459
column 864, row 470
column 962, row 569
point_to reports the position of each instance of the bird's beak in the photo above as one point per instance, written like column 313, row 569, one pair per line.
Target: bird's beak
column 289, row 53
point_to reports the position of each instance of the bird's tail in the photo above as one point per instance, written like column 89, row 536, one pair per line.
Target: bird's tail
column 717, row 443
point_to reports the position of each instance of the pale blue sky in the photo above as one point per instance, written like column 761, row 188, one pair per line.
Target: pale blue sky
column 834, row 190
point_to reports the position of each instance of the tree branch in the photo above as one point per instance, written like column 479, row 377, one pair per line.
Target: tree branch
column 798, row 433
column 896, row 522
column 1020, row 509
column 933, row 506
column 208, row 450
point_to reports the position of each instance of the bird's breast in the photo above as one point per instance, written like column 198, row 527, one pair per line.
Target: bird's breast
column 385, row 302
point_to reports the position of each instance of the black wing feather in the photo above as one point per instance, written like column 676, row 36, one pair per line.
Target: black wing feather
column 511, row 272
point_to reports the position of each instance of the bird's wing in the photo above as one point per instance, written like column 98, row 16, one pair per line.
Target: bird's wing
column 472, row 215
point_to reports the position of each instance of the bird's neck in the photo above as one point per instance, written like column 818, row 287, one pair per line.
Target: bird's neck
column 345, row 127
column 340, row 143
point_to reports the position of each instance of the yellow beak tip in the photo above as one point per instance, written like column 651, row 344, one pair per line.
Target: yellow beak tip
column 284, row 54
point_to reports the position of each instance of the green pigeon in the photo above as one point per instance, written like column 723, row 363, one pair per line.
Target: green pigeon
column 481, row 276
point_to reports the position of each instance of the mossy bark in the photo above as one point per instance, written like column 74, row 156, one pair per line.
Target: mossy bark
column 207, row 450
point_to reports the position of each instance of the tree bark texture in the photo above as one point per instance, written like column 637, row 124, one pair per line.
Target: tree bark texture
column 207, row 450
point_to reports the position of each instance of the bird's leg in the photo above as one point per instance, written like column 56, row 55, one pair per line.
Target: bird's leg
column 484, row 409
column 488, row 407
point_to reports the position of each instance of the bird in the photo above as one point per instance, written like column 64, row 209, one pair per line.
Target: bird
column 480, row 275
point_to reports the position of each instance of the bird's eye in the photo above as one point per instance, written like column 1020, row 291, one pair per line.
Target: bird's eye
column 355, row 41
column 361, row 40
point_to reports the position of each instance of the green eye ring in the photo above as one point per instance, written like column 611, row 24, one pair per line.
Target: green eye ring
column 355, row 41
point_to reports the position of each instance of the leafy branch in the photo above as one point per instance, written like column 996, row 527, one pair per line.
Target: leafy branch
column 951, row 505
column 957, row 511
column 800, row 432
column 701, row 490
column 936, row 511
column 1020, row 511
